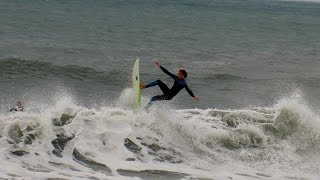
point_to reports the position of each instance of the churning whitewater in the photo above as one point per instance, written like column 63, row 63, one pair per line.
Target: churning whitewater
column 69, row 141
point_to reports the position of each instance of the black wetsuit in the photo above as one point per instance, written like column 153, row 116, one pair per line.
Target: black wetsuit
column 168, row 93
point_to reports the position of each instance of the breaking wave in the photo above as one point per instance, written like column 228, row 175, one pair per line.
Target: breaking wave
column 71, row 141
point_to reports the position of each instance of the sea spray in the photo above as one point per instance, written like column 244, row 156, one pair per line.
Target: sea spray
column 116, row 141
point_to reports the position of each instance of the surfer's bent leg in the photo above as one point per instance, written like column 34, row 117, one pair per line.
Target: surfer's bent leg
column 155, row 98
column 164, row 88
column 158, row 98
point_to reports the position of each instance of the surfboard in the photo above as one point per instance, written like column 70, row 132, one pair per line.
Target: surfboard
column 136, row 98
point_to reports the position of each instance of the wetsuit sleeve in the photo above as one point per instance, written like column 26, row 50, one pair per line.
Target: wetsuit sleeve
column 189, row 91
column 167, row 72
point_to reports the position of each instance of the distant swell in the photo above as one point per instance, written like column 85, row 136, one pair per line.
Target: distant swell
column 13, row 67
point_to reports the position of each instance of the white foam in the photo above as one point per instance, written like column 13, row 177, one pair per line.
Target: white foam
column 202, row 139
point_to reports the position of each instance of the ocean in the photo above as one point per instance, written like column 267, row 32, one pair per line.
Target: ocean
column 255, row 64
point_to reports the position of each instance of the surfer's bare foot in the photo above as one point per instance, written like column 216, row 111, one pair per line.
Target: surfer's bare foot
column 142, row 86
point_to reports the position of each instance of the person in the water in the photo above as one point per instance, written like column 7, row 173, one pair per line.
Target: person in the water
column 18, row 108
column 168, row 94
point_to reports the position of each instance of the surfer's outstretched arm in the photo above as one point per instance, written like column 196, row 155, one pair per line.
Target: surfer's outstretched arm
column 191, row 93
column 165, row 70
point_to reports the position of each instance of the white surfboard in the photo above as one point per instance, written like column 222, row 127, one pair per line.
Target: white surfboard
column 136, row 98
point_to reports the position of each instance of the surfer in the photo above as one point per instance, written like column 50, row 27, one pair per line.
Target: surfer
column 168, row 94
column 18, row 108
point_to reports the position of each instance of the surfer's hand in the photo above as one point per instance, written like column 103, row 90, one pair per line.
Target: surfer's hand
column 196, row 98
column 157, row 63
